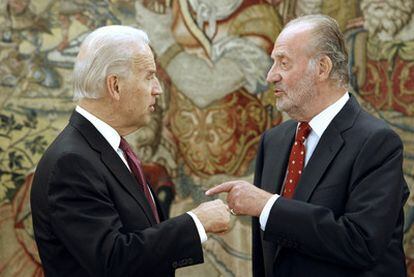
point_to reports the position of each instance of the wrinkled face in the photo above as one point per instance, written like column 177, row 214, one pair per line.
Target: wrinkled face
column 292, row 74
column 139, row 90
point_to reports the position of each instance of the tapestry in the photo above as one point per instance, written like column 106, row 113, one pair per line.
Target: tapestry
column 212, row 59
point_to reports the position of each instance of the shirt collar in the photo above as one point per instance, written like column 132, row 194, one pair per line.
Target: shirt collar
column 320, row 122
column 109, row 133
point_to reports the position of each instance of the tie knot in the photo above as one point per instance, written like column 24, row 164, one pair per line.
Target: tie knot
column 304, row 130
column 128, row 152
column 124, row 145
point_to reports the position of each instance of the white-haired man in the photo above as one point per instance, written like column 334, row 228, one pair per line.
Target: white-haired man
column 93, row 211
column 329, row 188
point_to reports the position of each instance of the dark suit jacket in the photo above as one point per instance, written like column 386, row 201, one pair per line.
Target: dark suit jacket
column 90, row 217
column 346, row 216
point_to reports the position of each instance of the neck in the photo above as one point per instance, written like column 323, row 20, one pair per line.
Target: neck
column 105, row 111
column 96, row 107
column 324, row 99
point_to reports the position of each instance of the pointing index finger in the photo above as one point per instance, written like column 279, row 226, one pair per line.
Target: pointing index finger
column 225, row 187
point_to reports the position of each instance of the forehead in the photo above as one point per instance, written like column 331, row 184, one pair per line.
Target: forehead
column 293, row 41
column 144, row 59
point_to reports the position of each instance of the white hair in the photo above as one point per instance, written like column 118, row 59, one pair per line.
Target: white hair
column 107, row 50
column 327, row 39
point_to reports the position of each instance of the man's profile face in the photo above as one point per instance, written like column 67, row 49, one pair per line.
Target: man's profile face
column 140, row 89
column 291, row 74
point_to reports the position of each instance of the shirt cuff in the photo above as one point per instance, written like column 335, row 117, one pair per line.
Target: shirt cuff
column 200, row 227
column 266, row 211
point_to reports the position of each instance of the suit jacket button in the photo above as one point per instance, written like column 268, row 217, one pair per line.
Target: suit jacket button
column 174, row 264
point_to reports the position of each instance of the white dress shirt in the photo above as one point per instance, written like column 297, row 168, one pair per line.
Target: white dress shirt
column 318, row 123
column 113, row 138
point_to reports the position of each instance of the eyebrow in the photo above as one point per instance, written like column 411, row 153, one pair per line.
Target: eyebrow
column 151, row 72
column 279, row 54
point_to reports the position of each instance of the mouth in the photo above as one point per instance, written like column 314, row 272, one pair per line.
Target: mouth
column 152, row 107
column 278, row 92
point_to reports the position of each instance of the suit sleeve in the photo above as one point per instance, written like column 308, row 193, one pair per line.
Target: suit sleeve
column 376, row 195
column 257, row 257
column 85, row 219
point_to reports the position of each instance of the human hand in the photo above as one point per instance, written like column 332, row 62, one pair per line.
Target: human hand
column 214, row 215
column 243, row 198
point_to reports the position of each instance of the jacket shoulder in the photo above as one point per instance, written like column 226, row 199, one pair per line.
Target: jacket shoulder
column 369, row 125
column 69, row 141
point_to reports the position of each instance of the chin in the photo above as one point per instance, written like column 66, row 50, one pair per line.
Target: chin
column 281, row 105
column 145, row 121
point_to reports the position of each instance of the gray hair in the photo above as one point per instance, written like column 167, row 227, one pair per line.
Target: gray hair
column 327, row 39
column 107, row 50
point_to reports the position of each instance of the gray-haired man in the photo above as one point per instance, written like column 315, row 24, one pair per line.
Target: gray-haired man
column 329, row 188
column 93, row 211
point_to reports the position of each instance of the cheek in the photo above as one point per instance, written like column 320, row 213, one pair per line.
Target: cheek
column 145, row 89
column 291, row 80
column 287, row 83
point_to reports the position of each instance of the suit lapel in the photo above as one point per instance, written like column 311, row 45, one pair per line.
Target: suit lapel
column 128, row 181
column 328, row 146
column 280, row 151
column 112, row 161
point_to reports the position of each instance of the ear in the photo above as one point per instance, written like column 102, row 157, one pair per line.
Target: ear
column 112, row 85
column 324, row 68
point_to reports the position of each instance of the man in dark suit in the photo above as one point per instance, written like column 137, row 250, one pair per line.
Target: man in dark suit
column 329, row 188
column 93, row 211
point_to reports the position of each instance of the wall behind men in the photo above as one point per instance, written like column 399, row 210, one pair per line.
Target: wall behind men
column 212, row 58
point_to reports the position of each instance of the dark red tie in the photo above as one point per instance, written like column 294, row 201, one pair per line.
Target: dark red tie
column 135, row 166
column 296, row 160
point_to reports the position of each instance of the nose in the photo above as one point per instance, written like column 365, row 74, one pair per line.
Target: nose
column 156, row 88
column 273, row 75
